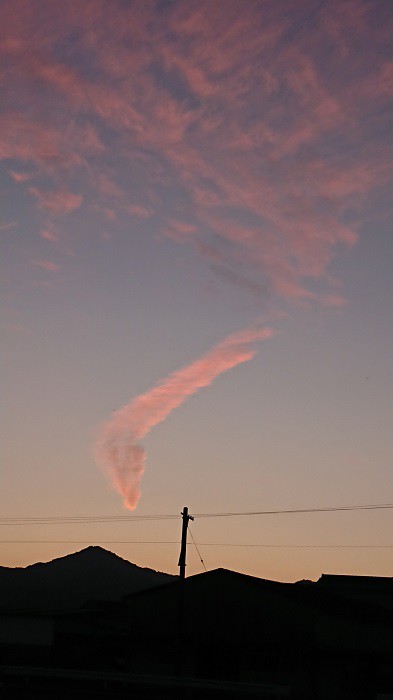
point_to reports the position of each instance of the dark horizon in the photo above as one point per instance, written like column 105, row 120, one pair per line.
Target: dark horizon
column 215, row 634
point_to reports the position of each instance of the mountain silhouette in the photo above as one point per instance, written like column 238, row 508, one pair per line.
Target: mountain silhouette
column 69, row 582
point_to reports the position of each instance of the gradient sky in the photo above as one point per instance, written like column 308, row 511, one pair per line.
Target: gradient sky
column 173, row 173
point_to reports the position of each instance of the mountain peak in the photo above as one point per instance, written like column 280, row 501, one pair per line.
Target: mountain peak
column 69, row 581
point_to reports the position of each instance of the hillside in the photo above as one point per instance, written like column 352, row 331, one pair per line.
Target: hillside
column 70, row 581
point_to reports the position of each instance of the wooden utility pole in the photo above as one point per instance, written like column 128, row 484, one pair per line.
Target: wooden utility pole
column 183, row 548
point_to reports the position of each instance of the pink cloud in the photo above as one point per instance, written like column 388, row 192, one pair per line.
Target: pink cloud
column 57, row 203
column 334, row 300
column 20, row 177
column 385, row 82
column 179, row 231
column 255, row 137
column 46, row 265
column 117, row 449
column 107, row 187
column 107, row 212
column 49, row 233
column 50, row 147
column 138, row 210
column 7, row 226
column 194, row 75
column 232, row 109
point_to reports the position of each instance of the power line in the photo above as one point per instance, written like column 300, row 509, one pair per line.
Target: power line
column 81, row 518
column 91, row 542
column 292, row 511
column 196, row 547
column 207, row 544
column 298, row 546
column 78, row 520
column 84, row 520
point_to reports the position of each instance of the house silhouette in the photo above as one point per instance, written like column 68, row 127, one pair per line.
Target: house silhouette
column 225, row 634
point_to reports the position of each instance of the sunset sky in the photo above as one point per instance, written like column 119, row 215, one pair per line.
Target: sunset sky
column 197, row 278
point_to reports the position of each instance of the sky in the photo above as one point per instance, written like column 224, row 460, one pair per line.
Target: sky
column 197, row 286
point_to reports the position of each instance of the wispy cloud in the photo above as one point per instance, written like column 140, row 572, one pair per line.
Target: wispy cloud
column 257, row 119
column 60, row 202
column 137, row 210
column 117, row 448
column 251, row 133
column 20, row 176
column 49, row 233
column 46, row 265
column 8, row 225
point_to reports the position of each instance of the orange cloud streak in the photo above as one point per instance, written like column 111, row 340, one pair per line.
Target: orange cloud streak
column 117, row 449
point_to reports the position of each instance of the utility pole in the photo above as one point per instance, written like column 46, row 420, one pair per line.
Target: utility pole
column 182, row 557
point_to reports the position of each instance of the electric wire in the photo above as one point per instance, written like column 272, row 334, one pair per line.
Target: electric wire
column 206, row 544
column 293, row 511
column 196, row 547
column 84, row 520
column 78, row 520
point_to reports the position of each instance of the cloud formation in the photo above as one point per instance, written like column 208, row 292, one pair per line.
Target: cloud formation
column 47, row 265
column 263, row 130
column 117, row 448
column 249, row 133
column 57, row 202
